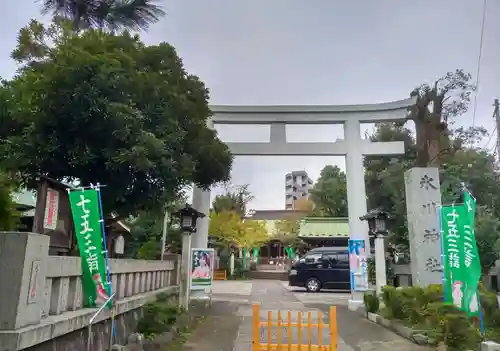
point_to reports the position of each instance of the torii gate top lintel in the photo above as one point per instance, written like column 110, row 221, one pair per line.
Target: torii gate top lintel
column 353, row 147
column 311, row 114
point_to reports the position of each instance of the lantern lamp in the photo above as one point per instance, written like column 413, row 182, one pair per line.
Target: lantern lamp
column 377, row 222
column 188, row 217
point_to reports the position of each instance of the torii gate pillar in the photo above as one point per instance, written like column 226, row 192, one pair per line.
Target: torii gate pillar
column 353, row 147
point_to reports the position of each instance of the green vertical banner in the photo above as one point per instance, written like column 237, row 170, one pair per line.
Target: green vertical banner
column 256, row 254
column 471, row 257
column 461, row 259
column 86, row 218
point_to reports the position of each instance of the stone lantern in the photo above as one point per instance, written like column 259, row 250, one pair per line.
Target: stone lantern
column 377, row 227
column 188, row 217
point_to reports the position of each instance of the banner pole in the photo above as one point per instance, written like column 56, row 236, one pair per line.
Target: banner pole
column 443, row 260
column 106, row 257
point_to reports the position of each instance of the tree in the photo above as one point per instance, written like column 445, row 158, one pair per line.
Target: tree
column 229, row 228
column 304, row 205
column 102, row 108
column 385, row 175
column 329, row 194
column 234, row 199
column 109, row 14
column 436, row 105
column 254, row 234
column 487, row 231
column 9, row 216
column 287, row 231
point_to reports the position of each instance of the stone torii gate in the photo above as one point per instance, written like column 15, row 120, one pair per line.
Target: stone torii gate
column 353, row 147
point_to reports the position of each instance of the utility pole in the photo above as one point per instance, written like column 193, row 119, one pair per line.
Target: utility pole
column 496, row 115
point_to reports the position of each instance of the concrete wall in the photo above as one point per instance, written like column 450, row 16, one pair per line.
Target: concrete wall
column 41, row 296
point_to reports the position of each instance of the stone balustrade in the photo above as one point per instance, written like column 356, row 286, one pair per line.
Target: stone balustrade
column 41, row 296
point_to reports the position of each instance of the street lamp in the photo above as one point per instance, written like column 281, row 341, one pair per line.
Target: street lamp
column 377, row 228
column 188, row 217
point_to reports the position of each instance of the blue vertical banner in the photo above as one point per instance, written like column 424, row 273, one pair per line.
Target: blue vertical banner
column 358, row 265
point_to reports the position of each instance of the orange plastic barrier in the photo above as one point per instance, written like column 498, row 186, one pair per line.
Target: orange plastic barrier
column 287, row 324
column 220, row 274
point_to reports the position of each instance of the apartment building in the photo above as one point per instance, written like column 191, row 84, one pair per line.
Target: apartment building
column 297, row 186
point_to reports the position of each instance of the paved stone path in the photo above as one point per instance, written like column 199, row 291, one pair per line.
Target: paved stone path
column 355, row 333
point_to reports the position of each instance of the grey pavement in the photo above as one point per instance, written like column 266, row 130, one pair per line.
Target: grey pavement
column 355, row 333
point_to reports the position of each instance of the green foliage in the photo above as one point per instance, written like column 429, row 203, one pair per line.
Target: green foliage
column 287, row 231
column 385, row 183
column 452, row 327
column 113, row 15
column 147, row 230
column 424, row 311
column 233, row 200
column 98, row 107
column 9, row 216
column 384, row 177
column 229, row 228
column 491, row 313
column 158, row 317
column 371, row 270
column 150, row 250
column 329, row 193
column 146, row 234
column 436, row 105
column 372, row 302
column 240, row 272
column 487, row 231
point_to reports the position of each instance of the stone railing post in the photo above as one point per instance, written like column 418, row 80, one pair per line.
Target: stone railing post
column 23, row 257
column 175, row 277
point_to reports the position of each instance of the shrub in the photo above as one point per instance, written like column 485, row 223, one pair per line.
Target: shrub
column 372, row 303
column 240, row 274
column 424, row 309
column 393, row 303
column 158, row 318
column 451, row 326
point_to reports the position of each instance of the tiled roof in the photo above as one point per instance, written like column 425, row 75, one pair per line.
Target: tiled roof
column 272, row 215
column 324, row 227
column 25, row 198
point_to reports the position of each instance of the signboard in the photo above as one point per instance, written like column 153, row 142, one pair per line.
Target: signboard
column 358, row 265
column 202, row 269
column 51, row 209
column 462, row 269
column 86, row 217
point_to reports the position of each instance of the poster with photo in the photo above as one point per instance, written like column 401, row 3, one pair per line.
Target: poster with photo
column 358, row 265
column 202, row 268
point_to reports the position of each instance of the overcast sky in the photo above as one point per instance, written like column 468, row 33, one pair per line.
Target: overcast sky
column 312, row 52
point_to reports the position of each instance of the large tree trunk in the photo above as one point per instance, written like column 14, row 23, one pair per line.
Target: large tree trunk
column 431, row 132
column 421, row 142
column 433, row 142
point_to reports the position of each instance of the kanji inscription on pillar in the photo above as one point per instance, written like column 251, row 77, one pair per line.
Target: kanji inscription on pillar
column 423, row 198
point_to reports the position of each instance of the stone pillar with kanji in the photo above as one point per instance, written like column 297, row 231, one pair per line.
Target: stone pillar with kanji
column 423, row 198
